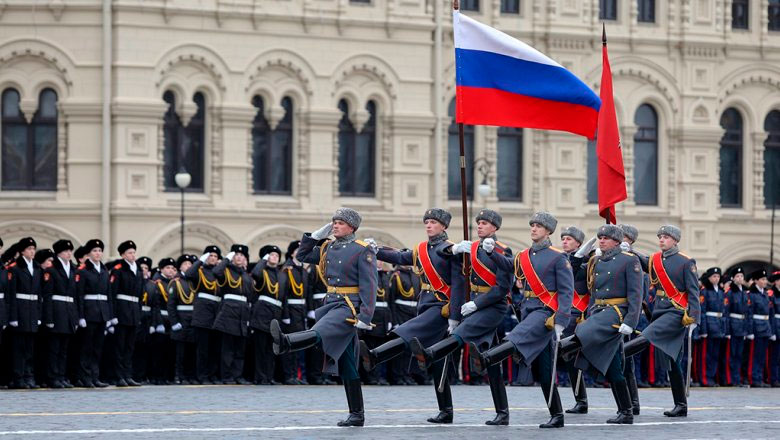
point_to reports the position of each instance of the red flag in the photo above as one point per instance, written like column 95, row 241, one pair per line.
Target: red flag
column 611, row 175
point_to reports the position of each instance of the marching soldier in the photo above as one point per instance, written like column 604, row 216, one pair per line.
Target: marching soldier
column 294, row 288
column 382, row 323
column 92, row 285
column 266, row 307
column 761, row 328
column 349, row 270
column 232, row 320
column 127, row 287
column 142, row 350
column 60, row 312
column 438, row 310
column 484, row 311
column 404, row 296
column 774, row 297
column 615, row 284
column 163, row 352
column 25, row 298
column 205, row 308
column 738, row 312
column 676, row 311
column 180, row 299
column 315, row 357
column 713, row 328
column 548, row 289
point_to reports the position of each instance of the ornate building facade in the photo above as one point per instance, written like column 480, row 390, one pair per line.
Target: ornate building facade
column 282, row 110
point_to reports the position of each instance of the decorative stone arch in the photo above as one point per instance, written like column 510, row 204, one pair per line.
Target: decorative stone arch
column 765, row 74
column 44, row 233
column 382, row 237
column 197, row 235
column 748, row 251
column 271, row 234
column 19, row 59
column 283, row 73
column 194, row 65
column 745, row 109
column 367, row 75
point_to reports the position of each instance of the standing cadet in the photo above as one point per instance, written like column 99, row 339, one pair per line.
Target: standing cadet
column 127, row 289
column 349, row 270
column 737, row 310
column 774, row 360
column 761, row 330
column 294, row 288
column 676, row 311
column 180, row 299
column 163, row 354
column 4, row 259
column 484, row 311
column 438, row 310
column 232, row 320
column 44, row 258
column 93, row 287
column 146, row 329
column 25, row 298
column 205, row 308
column 267, row 306
column 548, row 290
column 404, row 295
column 713, row 325
column 315, row 357
column 615, row 285
column 381, row 324
column 60, row 312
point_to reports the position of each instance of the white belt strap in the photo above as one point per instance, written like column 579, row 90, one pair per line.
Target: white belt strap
column 777, row 315
column 241, row 298
column 127, row 298
column 381, row 304
column 319, row 295
column 2, row 295
column 146, row 309
column 27, row 296
column 184, row 308
column 761, row 317
column 209, row 296
column 268, row 299
column 164, row 312
column 63, row 298
column 714, row 314
column 96, row 297
column 299, row 301
column 404, row 302
column 736, row 316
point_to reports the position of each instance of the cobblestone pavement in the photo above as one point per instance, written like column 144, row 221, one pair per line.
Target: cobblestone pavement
column 307, row 412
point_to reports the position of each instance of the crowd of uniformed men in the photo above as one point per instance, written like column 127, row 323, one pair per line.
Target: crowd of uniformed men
column 70, row 318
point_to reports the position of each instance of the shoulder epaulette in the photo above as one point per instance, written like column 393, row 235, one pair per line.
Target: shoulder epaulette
column 500, row 244
column 11, row 265
column 556, row 249
column 686, row 256
column 118, row 266
column 629, row 254
column 361, row 242
column 83, row 266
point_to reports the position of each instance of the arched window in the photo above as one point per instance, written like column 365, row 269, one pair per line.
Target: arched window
column 772, row 159
column 272, row 150
column 453, row 157
column 29, row 151
column 646, row 156
column 357, row 152
column 731, row 159
column 184, row 146
column 510, row 164
column 593, row 172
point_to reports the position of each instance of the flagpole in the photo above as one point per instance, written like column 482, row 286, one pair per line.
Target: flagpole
column 464, row 201
column 604, row 44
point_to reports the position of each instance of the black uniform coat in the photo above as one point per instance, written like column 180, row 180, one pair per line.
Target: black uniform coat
column 205, row 308
column 404, row 294
column 383, row 315
column 90, row 282
column 233, row 315
column 159, row 298
column 294, row 288
column 125, row 282
column 57, row 309
column 267, row 303
column 180, row 299
column 20, row 281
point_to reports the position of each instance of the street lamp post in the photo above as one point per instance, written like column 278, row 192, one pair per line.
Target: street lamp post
column 183, row 179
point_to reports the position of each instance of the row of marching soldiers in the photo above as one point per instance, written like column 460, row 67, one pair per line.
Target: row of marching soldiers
column 69, row 319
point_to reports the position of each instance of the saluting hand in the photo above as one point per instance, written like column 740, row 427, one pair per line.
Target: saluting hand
column 488, row 245
column 322, row 232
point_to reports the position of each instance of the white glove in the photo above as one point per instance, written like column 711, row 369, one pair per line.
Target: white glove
column 751, row 337
column 14, row 323
column 372, row 244
column 111, row 330
column 311, row 315
column 464, row 247
column 286, row 321
column 586, row 248
column 151, row 329
column 82, row 323
column 362, row 326
column 204, row 257
column 488, row 245
column 39, row 322
column 265, row 257
column 625, row 247
column 395, row 326
column 389, row 326
column 704, row 336
column 108, row 324
column 50, row 325
column 114, row 321
column 468, row 308
column 728, row 336
column 625, row 329
column 230, row 256
column 160, row 329
column 773, row 338
column 558, row 332
column 598, row 252
column 176, row 327
column 322, row 232
column 451, row 324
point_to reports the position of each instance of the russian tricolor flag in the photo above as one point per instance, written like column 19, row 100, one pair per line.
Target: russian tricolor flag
column 503, row 81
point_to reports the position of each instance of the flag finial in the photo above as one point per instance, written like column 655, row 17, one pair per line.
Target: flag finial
column 603, row 33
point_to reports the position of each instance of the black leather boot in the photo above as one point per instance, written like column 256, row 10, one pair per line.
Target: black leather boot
column 635, row 346
column 498, row 391
column 355, row 403
column 678, row 393
column 569, row 348
column 481, row 361
column 633, row 390
column 580, row 395
column 623, row 400
column 556, row 410
column 444, row 399
column 427, row 356
column 285, row 343
column 383, row 353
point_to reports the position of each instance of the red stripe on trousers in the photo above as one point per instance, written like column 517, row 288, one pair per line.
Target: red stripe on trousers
column 750, row 362
column 704, row 362
column 651, row 365
column 728, row 361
